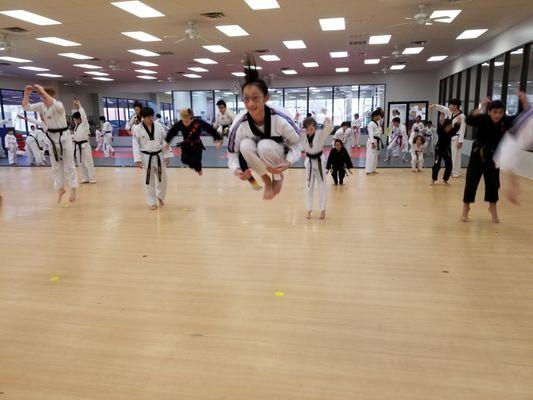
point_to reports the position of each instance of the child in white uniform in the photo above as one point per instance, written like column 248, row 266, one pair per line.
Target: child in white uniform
column 107, row 136
column 373, row 143
column 224, row 118
column 417, row 153
column 344, row 133
column 10, row 142
column 82, row 147
column 356, row 129
column 398, row 139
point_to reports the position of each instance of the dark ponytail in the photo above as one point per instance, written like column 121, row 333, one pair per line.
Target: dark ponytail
column 252, row 75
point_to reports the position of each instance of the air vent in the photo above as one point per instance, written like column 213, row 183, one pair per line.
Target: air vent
column 16, row 29
column 165, row 53
column 214, row 15
column 261, row 51
column 421, row 42
column 357, row 42
column 4, row 63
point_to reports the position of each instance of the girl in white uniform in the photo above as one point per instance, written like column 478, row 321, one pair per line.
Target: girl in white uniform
column 59, row 140
column 356, row 129
column 417, row 153
column 315, row 163
column 107, row 136
column 263, row 139
column 149, row 154
column 344, row 133
column 10, row 141
column 373, row 143
column 82, row 147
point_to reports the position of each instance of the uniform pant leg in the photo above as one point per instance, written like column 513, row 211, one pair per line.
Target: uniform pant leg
column 342, row 174
column 271, row 153
column 161, row 186
column 456, row 157
column 420, row 163
column 88, row 162
column 436, row 166
column 310, row 184
column 473, row 176
column 447, row 165
column 491, row 175
column 249, row 151
column 68, row 161
column 334, row 175
column 322, row 188
column 151, row 197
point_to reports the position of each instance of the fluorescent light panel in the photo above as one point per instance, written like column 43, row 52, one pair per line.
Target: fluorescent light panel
column 519, row 51
column 338, row 54
column 139, row 9
column 205, row 61
column 379, row 39
column 216, row 48
column 103, row 79
column 145, row 63
column 145, row 71
column 262, row 4
column 142, row 36
column 51, row 75
column 232, row 30
column 39, row 69
column 289, row 72
column 15, row 59
column 87, row 66
column 192, row 76
column 238, row 74
column 332, row 24
column 96, row 73
column 58, row 41
column 30, row 17
column 294, row 44
column 446, row 16
column 311, row 64
column 412, row 50
column 270, row 57
column 436, row 58
column 197, row 69
column 76, row 56
column 144, row 53
column 397, row 67
column 342, row 69
column 147, row 77
column 372, row 61
column 471, row 34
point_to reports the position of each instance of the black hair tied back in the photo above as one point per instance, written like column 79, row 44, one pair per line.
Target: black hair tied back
column 251, row 76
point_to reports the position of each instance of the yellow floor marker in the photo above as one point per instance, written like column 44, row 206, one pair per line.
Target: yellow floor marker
column 54, row 278
column 279, row 294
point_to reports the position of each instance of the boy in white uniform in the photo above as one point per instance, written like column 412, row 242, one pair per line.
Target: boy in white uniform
column 34, row 149
column 344, row 133
column 11, row 144
column 373, row 143
column 356, row 130
column 59, row 140
column 398, row 139
column 82, row 148
column 4, row 122
column 37, row 131
column 224, row 118
column 149, row 154
column 107, row 136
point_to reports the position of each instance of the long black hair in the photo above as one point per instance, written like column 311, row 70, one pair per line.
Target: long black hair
column 251, row 76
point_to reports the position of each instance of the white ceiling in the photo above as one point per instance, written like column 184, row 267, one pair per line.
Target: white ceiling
column 97, row 26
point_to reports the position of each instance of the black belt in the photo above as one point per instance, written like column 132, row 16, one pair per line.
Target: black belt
column 316, row 156
column 78, row 145
column 149, row 167
column 57, row 156
column 380, row 142
column 313, row 156
column 36, row 141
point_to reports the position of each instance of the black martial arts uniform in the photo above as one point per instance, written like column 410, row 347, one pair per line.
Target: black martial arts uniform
column 192, row 146
column 443, row 151
column 338, row 162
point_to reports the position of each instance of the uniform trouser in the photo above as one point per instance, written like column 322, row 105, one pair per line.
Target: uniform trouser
column 417, row 160
column 155, row 189
column 478, row 167
column 392, row 147
column 428, row 147
column 371, row 157
column 191, row 155
column 456, row 157
column 314, row 175
column 338, row 175
column 12, row 154
column 107, row 147
column 86, row 165
column 264, row 153
column 100, row 145
column 442, row 154
column 355, row 137
column 64, row 169
column 35, row 155
column 2, row 152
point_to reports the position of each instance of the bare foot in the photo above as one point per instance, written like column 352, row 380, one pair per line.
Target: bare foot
column 308, row 215
column 161, row 203
column 494, row 213
column 432, row 183
column 200, row 173
column 446, row 183
column 277, row 185
column 323, row 214
column 414, row 170
column 72, row 197
column 268, row 193
column 466, row 210
column 154, row 207
column 60, row 195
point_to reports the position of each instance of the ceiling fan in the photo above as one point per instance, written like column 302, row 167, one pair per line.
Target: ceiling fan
column 76, row 82
column 395, row 54
column 6, row 46
column 112, row 67
column 382, row 71
column 191, row 33
column 421, row 18
column 170, row 79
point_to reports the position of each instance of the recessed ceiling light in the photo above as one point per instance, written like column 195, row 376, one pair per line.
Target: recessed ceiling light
column 103, row 79
column 311, row 64
column 35, row 69
column 257, row 67
column 332, row 24
column 471, row 34
column 270, row 57
column 262, row 4
column 142, row 36
column 144, row 53
column 342, row 69
column 294, row 44
column 138, row 9
column 446, row 16
column 412, row 50
column 147, row 77
column 96, row 73
column 496, row 64
column 197, row 69
column 437, row 58
column 145, row 71
column 14, row 59
column 205, row 61
column 58, row 41
column 168, row 92
column 379, row 39
column 289, row 72
column 232, row 30
column 216, row 48
column 397, row 67
column 76, row 56
column 51, row 75
column 145, row 63
column 192, row 76
column 87, row 66
column 338, row 54
column 372, row 61
column 30, row 17
column 518, row 51
column 238, row 74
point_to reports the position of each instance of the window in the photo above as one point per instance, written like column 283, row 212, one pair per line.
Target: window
column 515, row 69
column 166, row 113
column 370, row 98
column 345, row 104
column 484, row 81
column 275, row 99
column 296, row 103
column 229, row 97
column 182, row 99
column 11, row 101
column 203, row 105
column 321, row 102
column 529, row 89
column 498, row 78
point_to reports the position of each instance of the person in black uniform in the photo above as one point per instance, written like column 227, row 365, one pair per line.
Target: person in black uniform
column 491, row 126
column 443, row 151
column 338, row 162
column 192, row 146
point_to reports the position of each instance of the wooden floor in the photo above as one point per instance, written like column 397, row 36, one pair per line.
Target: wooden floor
column 389, row 298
